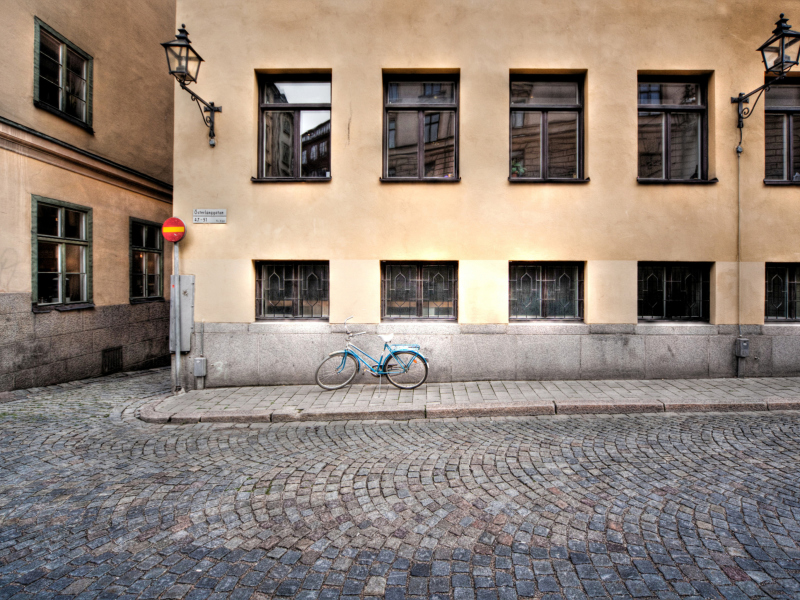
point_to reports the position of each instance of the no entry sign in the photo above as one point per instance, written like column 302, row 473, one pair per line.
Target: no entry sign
column 173, row 229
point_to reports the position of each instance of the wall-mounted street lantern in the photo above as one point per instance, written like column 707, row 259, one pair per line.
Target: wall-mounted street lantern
column 184, row 64
column 780, row 54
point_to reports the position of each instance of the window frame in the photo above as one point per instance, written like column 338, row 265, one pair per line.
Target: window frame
column 702, row 109
column 296, row 302
column 705, row 316
column 791, row 299
column 579, row 79
column 791, row 113
column 36, row 237
column 580, row 291
column 419, row 264
column 296, row 108
column 40, row 26
column 423, row 78
column 132, row 249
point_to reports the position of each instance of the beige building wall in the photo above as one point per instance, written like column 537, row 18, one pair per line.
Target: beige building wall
column 483, row 221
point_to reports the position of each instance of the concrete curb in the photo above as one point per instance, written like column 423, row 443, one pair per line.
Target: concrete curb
column 149, row 413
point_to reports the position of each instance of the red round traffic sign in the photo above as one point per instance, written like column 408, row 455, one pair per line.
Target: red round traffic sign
column 173, row 229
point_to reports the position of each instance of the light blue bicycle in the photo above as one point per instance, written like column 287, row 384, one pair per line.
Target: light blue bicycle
column 403, row 365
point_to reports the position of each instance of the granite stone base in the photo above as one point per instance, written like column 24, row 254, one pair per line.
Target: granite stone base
column 286, row 353
column 39, row 349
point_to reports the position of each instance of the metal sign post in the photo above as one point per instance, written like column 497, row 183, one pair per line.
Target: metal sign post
column 173, row 231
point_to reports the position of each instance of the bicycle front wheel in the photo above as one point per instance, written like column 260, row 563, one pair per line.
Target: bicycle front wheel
column 336, row 371
column 406, row 370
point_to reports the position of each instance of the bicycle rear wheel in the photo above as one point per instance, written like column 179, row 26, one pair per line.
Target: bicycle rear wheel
column 336, row 371
column 406, row 370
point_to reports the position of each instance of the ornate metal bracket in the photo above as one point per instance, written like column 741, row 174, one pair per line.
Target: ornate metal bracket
column 205, row 107
column 742, row 99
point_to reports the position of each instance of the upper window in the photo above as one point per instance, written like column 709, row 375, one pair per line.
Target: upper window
column 545, row 290
column 783, row 292
column 62, row 252
column 292, row 290
column 62, row 77
column 673, row 129
column 419, row 290
column 420, row 139
column 782, row 133
column 546, row 128
column 295, row 119
column 147, row 261
column 674, row 291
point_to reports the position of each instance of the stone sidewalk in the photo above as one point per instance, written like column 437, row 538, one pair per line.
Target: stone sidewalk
column 473, row 399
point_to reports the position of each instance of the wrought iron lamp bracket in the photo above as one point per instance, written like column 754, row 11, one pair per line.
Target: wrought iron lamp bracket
column 205, row 107
column 742, row 99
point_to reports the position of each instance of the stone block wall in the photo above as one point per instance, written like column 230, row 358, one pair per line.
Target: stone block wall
column 38, row 349
column 240, row 354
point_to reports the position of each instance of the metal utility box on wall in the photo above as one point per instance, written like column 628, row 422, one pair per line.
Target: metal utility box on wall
column 186, row 290
column 742, row 348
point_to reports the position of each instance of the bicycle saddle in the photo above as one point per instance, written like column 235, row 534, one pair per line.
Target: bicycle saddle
column 386, row 338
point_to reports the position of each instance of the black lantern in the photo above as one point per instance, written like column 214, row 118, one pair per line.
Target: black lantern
column 184, row 64
column 780, row 52
column 183, row 60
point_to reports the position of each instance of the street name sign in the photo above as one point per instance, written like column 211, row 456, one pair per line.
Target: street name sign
column 210, row 215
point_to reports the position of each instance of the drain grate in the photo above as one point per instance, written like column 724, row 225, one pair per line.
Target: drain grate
column 112, row 360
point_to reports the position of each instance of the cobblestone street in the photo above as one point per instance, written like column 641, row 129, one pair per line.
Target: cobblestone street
column 95, row 503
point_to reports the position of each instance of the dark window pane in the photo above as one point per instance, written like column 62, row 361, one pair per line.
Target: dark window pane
column 673, row 291
column 438, row 291
column 403, row 156
column 153, row 286
column 775, row 146
column 400, row 286
column 48, row 288
column 669, row 93
column 50, row 70
column 74, row 225
column 526, row 144
column 75, row 107
column 74, row 288
column 138, row 263
column 315, row 130
column 685, row 146
column 440, row 150
column 153, row 263
column 75, row 86
column 47, row 220
column 544, row 93
column 76, row 64
column 651, row 145
column 74, row 258
column 152, row 237
column 48, row 258
column 419, row 92
column 137, row 234
column 313, row 287
column 562, row 145
column 49, row 46
column 278, row 143
column 525, row 292
column 137, row 286
column 305, row 92
column 777, row 292
column 49, row 93
column 796, row 147
column 783, row 95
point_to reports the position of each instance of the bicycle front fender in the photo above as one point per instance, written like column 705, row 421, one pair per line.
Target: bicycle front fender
column 344, row 354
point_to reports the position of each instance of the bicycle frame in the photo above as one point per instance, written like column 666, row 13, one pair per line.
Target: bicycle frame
column 378, row 366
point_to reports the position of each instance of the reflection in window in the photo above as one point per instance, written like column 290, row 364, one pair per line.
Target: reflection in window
column 295, row 122
column 62, row 246
column 146, row 260
column 292, row 290
column 63, row 74
column 782, row 133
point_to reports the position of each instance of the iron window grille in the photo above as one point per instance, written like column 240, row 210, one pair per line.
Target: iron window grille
column 673, row 291
column 545, row 291
column 673, row 129
column 294, row 121
column 782, row 292
column 546, row 128
column 62, row 253
column 420, row 128
column 62, row 77
column 782, row 134
column 292, row 290
column 147, row 261
column 419, row 290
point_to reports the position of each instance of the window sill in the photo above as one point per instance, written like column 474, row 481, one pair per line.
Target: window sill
column 645, row 181
column 669, row 323
column 61, row 307
column 63, row 115
column 533, row 180
column 290, row 179
column 417, row 180
column 293, row 320
column 780, row 182
column 146, row 300
column 420, row 320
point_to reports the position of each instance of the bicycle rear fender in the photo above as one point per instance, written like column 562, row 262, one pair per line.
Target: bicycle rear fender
column 409, row 349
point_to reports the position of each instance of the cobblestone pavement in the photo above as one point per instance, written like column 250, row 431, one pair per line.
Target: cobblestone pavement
column 95, row 503
column 483, row 398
